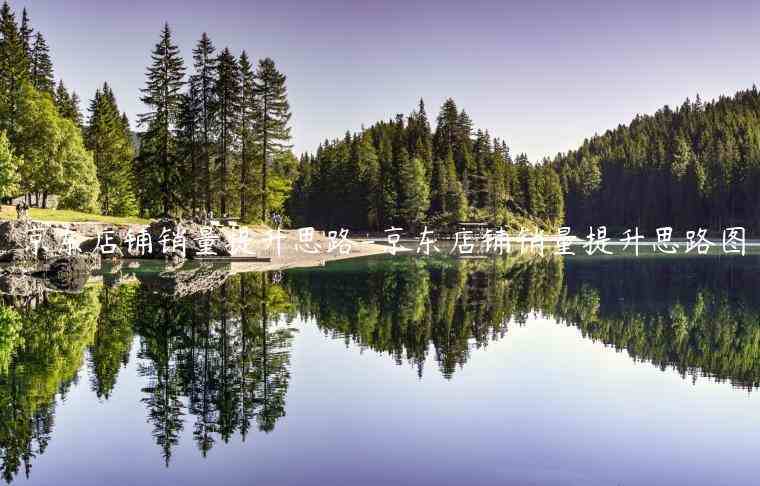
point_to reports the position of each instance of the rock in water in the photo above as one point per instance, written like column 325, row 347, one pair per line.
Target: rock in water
column 182, row 283
column 69, row 274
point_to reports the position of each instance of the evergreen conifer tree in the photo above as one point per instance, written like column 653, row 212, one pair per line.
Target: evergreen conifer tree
column 227, row 92
column 162, row 94
column 41, row 70
column 272, row 130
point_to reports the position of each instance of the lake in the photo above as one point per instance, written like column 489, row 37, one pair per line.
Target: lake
column 390, row 370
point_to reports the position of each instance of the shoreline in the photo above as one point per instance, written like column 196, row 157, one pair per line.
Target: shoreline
column 256, row 244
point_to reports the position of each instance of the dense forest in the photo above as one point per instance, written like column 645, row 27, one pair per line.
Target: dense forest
column 215, row 140
column 216, row 137
column 696, row 165
column 400, row 172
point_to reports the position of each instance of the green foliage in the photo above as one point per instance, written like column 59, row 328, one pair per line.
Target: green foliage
column 110, row 347
column 9, row 167
column 49, row 347
column 55, row 160
column 368, row 180
column 41, row 68
column 414, row 193
column 10, row 335
column 272, row 129
column 14, row 69
column 68, row 104
column 163, row 97
column 695, row 166
column 108, row 137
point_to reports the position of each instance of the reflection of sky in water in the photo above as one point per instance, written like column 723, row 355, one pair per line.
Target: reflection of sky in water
column 541, row 406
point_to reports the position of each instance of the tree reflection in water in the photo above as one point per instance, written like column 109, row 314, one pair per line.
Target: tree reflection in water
column 217, row 362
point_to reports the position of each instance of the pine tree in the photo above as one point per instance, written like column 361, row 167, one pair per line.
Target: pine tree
column 248, row 111
column 107, row 137
column 14, row 69
column 370, row 182
column 162, row 95
column 204, row 80
column 388, row 180
column 272, row 130
column 41, row 71
column 446, row 135
column 414, row 191
column 188, row 148
column 227, row 92
column 26, row 33
column 456, row 198
column 68, row 105
column 420, row 138
column 554, row 199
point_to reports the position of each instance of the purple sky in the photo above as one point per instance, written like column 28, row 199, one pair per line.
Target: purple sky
column 542, row 75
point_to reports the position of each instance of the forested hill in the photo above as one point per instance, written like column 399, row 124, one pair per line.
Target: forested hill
column 400, row 172
column 697, row 165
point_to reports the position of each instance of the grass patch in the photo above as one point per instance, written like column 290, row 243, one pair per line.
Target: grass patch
column 69, row 216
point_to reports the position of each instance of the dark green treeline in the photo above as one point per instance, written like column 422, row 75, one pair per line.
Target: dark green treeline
column 401, row 172
column 696, row 165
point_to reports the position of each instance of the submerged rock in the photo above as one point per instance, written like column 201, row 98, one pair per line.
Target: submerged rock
column 70, row 274
column 181, row 283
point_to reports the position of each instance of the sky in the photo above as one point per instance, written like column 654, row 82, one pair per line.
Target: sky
column 542, row 75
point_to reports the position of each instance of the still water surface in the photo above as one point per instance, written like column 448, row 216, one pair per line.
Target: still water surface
column 392, row 371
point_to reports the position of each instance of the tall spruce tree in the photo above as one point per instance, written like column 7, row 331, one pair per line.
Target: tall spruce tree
column 14, row 69
column 413, row 191
column 26, row 32
column 41, row 70
column 272, row 130
column 188, row 142
column 68, row 104
column 107, row 137
column 248, row 111
column 162, row 94
column 204, row 80
column 227, row 91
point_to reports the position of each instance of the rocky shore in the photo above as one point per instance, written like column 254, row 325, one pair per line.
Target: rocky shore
column 62, row 256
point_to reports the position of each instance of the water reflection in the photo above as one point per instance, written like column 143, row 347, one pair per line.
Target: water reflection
column 214, row 349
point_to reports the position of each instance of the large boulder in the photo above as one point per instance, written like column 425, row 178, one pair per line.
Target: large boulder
column 24, row 240
column 195, row 237
column 114, row 238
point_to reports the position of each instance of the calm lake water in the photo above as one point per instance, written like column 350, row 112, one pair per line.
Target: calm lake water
column 516, row 371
